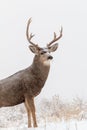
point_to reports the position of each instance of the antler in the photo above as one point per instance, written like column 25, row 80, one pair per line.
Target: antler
column 55, row 37
column 31, row 35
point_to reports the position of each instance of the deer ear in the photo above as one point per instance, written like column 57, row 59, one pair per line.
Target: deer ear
column 33, row 49
column 53, row 47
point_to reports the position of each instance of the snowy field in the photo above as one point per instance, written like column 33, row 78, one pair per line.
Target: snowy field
column 15, row 118
column 70, row 125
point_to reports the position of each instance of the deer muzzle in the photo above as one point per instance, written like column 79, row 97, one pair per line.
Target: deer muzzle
column 50, row 58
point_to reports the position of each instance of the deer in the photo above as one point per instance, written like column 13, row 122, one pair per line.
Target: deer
column 26, row 84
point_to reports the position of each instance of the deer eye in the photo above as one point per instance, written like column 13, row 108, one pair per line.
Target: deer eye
column 43, row 52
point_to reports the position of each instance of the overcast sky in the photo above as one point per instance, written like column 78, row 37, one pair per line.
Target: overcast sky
column 68, row 74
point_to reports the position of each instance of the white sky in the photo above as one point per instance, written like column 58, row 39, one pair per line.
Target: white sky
column 68, row 75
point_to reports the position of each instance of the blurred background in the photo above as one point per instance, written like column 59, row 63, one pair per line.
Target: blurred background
column 68, row 74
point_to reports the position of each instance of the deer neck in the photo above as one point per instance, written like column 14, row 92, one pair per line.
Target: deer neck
column 39, row 68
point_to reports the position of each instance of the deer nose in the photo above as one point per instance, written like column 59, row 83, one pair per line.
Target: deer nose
column 50, row 57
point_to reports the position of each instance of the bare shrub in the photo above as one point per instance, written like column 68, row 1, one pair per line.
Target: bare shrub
column 56, row 109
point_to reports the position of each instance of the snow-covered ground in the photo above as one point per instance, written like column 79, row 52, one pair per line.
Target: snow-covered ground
column 69, row 125
column 15, row 118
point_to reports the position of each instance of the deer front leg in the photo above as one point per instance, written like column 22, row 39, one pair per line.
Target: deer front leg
column 30, row 103
column 28, row 112
column 33, row 112
column 32, row 108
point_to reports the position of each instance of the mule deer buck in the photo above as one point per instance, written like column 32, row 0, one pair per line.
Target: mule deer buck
column 24, row 85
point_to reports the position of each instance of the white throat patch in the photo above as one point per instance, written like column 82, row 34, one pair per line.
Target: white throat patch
column 47, row 63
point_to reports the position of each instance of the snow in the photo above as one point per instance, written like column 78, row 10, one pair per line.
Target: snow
column 15, row 118
column 69, row 125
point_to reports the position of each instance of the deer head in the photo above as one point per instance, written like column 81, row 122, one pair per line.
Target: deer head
column 42, row 53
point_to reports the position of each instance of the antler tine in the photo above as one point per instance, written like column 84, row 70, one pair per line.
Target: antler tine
column 27, row 33
column 55, row 37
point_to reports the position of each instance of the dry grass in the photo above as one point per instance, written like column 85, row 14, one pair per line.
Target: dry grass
column 53, row 110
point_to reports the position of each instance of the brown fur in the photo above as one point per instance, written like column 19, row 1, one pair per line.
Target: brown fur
column 24, row 85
